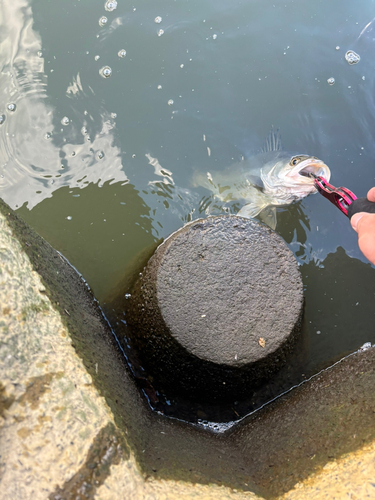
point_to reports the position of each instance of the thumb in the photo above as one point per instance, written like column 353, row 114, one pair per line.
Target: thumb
column 355, row 219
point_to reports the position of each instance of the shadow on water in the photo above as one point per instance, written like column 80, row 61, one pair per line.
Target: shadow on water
column 339, row 289
column 99, row 221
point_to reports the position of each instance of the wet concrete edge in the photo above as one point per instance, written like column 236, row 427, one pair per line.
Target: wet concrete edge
column 275, row 448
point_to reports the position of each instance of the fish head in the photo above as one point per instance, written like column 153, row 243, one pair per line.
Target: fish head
column 289, row 177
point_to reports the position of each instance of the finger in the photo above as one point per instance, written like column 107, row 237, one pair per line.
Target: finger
column 366, row 236
column 365, row 224
column 366, row 244
column 355, row 219
column 371, row 194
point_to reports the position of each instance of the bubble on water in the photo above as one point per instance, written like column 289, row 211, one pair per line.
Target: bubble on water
column 170, row 102
column 100, row 155
column 110, row 5
column 73, row 153
column 352, row 57
column 11, row 107
column 84, row 131
column 127, row 295
column 113, row 115
column 214, row 36
column 69, row 217
column 158, row 20
column 65, row 121
column 105, row 72
column 47, row 135
column 2, row 119
column 337, row 47
column 159, row 87
column 103, row 21
column 181, row 66
column 97, row 58
column 331, row 80
column 121, row 53
column 160, row 32
column 39, row 53
column 363, row 78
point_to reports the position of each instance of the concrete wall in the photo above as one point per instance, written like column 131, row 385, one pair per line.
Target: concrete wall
column 73, row 425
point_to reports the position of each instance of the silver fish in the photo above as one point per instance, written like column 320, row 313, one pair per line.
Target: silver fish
column 271, row 178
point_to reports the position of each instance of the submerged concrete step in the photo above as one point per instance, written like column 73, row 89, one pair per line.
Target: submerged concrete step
column 217, row 308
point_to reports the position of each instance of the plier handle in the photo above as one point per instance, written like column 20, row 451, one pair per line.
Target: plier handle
column 341, row 197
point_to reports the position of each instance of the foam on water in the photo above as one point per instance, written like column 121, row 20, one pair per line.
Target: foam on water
column 351, row 57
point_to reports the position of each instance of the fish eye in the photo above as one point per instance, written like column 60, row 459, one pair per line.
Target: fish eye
column 295, row 160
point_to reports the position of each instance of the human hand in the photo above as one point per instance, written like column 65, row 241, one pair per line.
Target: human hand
column 364, row 224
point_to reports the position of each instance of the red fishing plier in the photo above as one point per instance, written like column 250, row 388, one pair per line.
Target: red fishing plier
column 343, row 198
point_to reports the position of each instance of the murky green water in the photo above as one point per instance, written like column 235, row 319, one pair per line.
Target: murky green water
column 102, row 167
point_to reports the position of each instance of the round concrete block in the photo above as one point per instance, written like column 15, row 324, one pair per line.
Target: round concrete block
column 217, row 307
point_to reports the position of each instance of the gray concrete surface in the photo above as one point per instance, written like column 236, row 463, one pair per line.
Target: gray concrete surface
column 73, row 426
column 217, row 308
column 70, row 415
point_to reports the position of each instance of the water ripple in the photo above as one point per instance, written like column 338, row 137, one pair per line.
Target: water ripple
column 37, row 155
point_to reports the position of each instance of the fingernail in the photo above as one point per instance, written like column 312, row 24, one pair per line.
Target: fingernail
column 355, row 219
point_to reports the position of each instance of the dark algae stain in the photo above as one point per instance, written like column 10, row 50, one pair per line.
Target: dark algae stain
column 36, row 387
column 106, row 450
column 6, row 400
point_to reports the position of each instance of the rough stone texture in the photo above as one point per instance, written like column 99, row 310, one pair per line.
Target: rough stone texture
column 351, row 477
column 223, row 284
column 217, row 307
column 49, row 410
column 60, row 439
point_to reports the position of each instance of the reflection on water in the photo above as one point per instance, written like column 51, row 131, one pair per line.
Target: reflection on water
column 102, row 167
column 42, row 149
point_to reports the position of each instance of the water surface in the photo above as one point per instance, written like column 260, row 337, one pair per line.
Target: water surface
column 102, row 167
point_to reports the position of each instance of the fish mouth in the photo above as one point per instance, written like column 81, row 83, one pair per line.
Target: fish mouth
column 315, row 169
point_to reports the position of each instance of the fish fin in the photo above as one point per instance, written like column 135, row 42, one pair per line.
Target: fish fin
column 250, row 210
column 272, row 142
column 268, row 216
column 256, row 182
column 200, row 179
column 266, row 213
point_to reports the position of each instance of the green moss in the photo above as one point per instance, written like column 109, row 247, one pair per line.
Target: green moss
column 90, row 404
column 40, row 307
column 61, row 414
column 81, row 415
column 85, row 434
